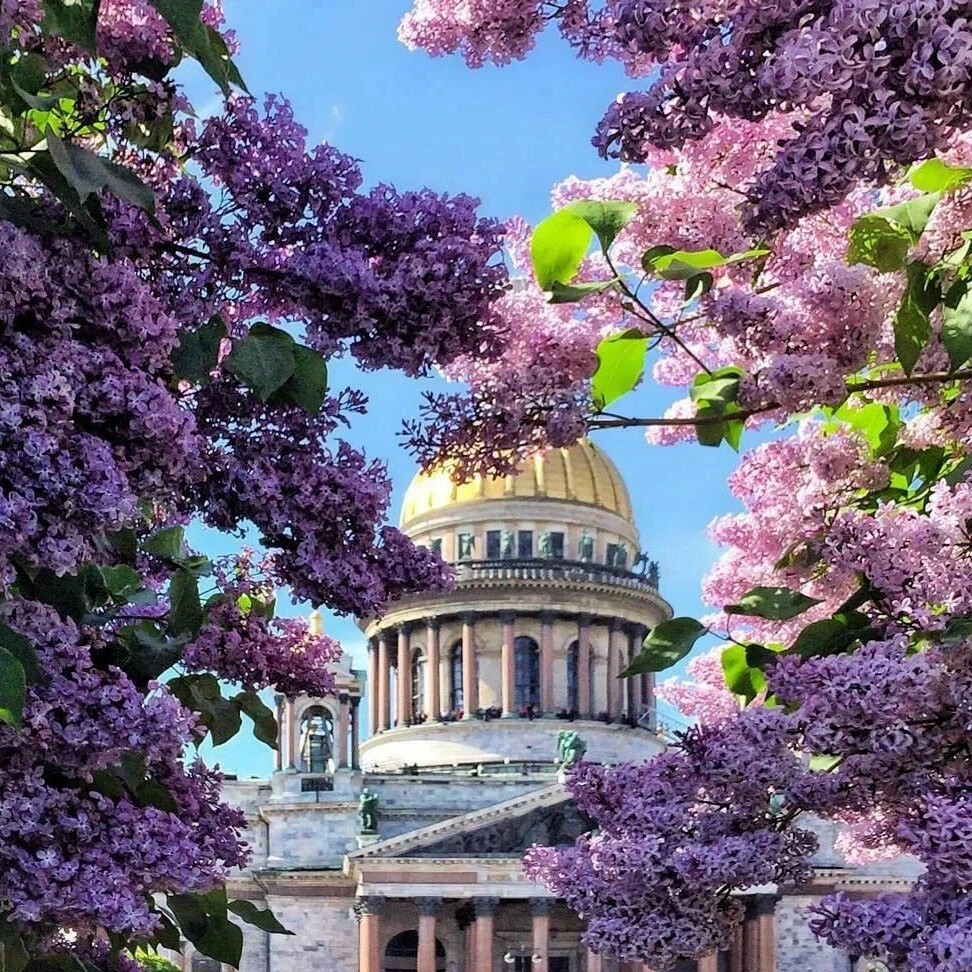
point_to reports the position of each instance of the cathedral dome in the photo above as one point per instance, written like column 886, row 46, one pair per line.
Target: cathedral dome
column 580, row 474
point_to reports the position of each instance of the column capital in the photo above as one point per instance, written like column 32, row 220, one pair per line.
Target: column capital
column 584, row 620
column 429, row 906
column 367, row 904
column 405, row 628
column 279, row 698
column 343, row 697
column 433, row 624
column 387, row 635
column 469, row 617
column 485, row 906
column 507, row 617
column 618, row 624
column 547, row 617
column 541, row 907
column 759, row 905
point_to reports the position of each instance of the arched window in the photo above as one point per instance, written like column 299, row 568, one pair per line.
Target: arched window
column 455, row 677
column 317, row 741
column 573, row 701
column 526, row 653
column 418, row 684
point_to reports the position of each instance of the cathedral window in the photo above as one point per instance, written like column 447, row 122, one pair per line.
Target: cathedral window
column 572, row 694
column 525, row 544
column 455, row 677
column 494, row 544
column 617, row 555
column 418, row 685
column 435, row 545
column 527, row 670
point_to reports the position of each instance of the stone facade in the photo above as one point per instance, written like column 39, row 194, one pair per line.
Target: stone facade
column 533, row 646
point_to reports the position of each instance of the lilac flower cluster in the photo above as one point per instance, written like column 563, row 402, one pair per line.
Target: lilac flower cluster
column 873, row 86
column 75, row 857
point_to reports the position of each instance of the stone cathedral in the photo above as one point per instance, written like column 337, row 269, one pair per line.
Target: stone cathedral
column 398, row 849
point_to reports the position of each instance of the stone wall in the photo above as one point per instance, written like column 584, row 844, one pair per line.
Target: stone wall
column 797, row 948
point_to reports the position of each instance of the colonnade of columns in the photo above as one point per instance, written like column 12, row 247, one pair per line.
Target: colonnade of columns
column 347, row 728
column 752, row 951
column 392, row 648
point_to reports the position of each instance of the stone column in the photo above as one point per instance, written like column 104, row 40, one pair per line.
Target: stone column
column 355, row 733
column 615, row 643
column 404, row 676
column 432, row 671
column 632, row 685
column 709, row 963
column 368, row 914
column 281, row 734
column 428, row 909
column 341, row 743
column 547, row 703
column 372, row 686
column 292, row 730
column 759, row 940
column 508, row 666
column 736, row 957
column 584, row 667
column 483, row 948
column 540, row 908
column 594, row 962
column 384, row 674
column 470, row 683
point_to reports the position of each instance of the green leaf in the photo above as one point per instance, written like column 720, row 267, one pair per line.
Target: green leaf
column 121, row 581
column 957, row 324
column 88, row 173
column 71, row 595
column 168, row 544
column 620, row 363
column 934, row 175
column 607, row 219
column 13, row 685
column 879, row 243
column 197, row 352
column 252, row 915
column 772, row 603
column 668, row 643
column 264, row 721
column 21, row 649
column 912, row 326
column 264, row 360
column 13, row 953
column 878, row 423
column 741, row 678
column 912, row 215
column 715, row 397
column 203, row 43
column 185, row 610
column 698, row 286
column 824, row 764
column 203, row 920
column 558, row 247
column 831, row 636
column 74, row 20
column 201, row 694
column 181, row 15
column 685, row 264
column 650, row 255
column 151, row 653
column 571, row 293
column 307, row 386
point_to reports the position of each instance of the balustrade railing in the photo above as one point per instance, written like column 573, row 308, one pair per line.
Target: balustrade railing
column 552, row 569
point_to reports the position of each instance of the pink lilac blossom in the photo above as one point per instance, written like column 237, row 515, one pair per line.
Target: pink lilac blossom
column 703, row 696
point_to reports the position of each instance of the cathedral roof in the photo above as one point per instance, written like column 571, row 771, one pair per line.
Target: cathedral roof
column 581, row 474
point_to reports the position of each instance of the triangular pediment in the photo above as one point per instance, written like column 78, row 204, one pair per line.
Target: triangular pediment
column 546, row 816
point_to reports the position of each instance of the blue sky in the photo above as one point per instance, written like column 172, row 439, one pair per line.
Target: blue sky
column 504, row 135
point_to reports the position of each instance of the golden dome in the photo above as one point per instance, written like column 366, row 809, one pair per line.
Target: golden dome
column 581, row 473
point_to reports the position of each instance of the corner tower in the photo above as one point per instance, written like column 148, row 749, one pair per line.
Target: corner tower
column 551, row 601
